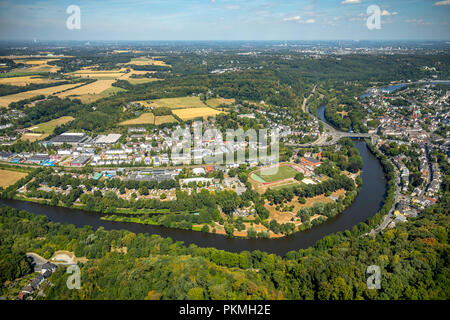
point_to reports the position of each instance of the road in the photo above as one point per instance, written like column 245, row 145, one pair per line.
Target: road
column 328, row 130
column 388, row 218
column 37, row 260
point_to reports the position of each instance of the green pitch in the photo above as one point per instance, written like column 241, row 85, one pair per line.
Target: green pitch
column 283, row 172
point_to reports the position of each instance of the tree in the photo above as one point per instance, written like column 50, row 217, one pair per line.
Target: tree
column 299, row 176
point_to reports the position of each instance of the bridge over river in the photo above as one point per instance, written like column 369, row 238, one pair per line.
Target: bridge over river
column 330, row 131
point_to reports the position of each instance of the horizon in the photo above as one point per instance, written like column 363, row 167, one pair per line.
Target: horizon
column 225, row 20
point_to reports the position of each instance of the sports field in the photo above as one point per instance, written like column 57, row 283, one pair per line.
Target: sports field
column 283, row 172
column 192, row 113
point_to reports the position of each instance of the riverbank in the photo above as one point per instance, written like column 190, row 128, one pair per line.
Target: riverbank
column 368, row 202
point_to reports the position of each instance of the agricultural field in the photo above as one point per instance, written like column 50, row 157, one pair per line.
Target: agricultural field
column 6, row 100
column 144, row 61
column 25, row 80
column 99, row 74
column 9, row 177
column 94, row 88
column 43, row 130
column 134, row 81
column 192, row 113
column 149, row 118
column 164, row 119
column 178, row 103
column 215, row 102
column 145, row 118
column 37, row 65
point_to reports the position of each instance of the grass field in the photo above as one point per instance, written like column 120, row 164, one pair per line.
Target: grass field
column 215, row 102
column 284, row 172
column 145, row 118
column 9, row 177
column 178, row 103
column 48, row 127
column 192, row 113
column 6, row 100
column 24, row 80
column 43, row 130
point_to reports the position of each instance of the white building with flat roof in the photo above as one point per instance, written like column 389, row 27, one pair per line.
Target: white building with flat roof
column 108, row 139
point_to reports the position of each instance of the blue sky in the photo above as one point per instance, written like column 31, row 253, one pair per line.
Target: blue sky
column 225, row 20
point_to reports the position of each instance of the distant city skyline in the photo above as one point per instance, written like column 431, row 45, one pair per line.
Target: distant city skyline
column 225, row 20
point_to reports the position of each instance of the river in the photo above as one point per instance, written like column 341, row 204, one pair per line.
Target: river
column 367, row 203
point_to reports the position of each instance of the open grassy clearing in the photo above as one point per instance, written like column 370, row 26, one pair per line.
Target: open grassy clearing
column 6, row 100
column 110, row 91
column 34, row 136
column 25, row 80
column 43, row 130
column 215, row 102
column 9, row 177
column 192, row 113
column 48, row 127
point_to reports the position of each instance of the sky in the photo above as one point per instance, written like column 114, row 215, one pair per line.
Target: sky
column 225, row 20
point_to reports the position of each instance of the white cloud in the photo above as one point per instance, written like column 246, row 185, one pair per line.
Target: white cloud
column 394, row 13
column 292, row 18
column 351, row 1
column 442, row 3
column 309, row 21
column 300, row 20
